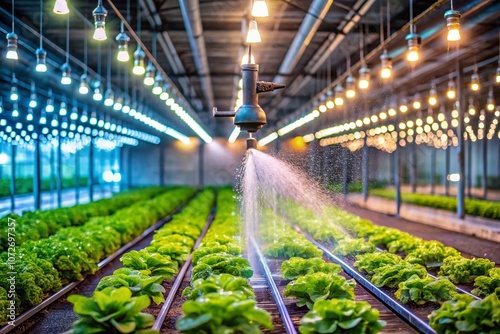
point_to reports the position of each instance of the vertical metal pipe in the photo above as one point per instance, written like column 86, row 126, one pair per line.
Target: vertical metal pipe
column 161, row 166
column 90, row 181
column 447, row 171
column 201, row 164
column 469, row 180
column 397, row 177
column 433, row 170
column 413, row 167
column 364, row 170
column 13, row 149
column 77, row 176
column 485, row 168
column 461, row 125
column 59, row 174
column 37, row 178
column 345, row 171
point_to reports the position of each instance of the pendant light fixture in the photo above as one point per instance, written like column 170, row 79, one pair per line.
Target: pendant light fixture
column 84, row 118
column 414, row 40
column 139, row 55
column 100, row 14
column 472, row 108
column 63, row 110
column 61, row 7
column 403, row 107
column 364, row 71
column 33, row 102
column 417, row 104
column 40, row 53
column 433, row 99
column 74, row 111
column 65, row 68
column 15, row 110
column 453, row 24
column 109, row 96
column 149, row 78
column 29, row 115
column 386, row 60
column 50, row 103
column 158, row 85
column 14, row 93
column 490, row 103
column 253, row 35
column 12, row 40
column 164, row 94
column 259, row 8
column 43, row 118
column 350, row 87
column 122, row 39
column 339, row 95
column 451, row 93
column 97, row 96
column 474, row 81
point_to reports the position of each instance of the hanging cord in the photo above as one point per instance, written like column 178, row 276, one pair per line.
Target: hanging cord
column 361, row 43
column 138, row 19
column 412, row 27
column 13, row 2
column 109, row 64
column 381, row 24
column 99, row 61
column 388, row 18
column 67, row 39
column 41, row 23
column 154, row 44
column 85, row 47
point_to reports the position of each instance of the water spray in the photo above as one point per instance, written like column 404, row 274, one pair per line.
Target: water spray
column 250, row 116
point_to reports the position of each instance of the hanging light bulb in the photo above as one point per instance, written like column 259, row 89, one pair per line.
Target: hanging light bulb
column 414, row 41
column 93, row 118
column 364, row 77
column 164, row 94
column 339, row 95
column 62, row 109
column 54, row 122
column 122, row 39
column 472, row 109
column 33, row 102
column 84, row 118
column 350, row 86
column 253, row 35
column 41, row 60
column 12, row 46
column 433, row 95
column 97, row 96
column 126, row 105
column 158, row 85
column 74, row 113
column 1, row 105
column 497, row 75
column 50, row 104
column 490, row 103
column 149, row 78
column 29, row 115
column 330, row 100
column 386, row 71
column 416, row 101
column 43, row 118
column 84, row 86
column 109, row 99
column 259, row 8
column 403, row 106
column 61, row 7
column 244, row 60
column 451, row 93
column 66, row 74
column 14, row 93
column 139, row 62
column 15, row 110
column 118, row 104
column 453, row 24
column 100, row 14
column 474, row 82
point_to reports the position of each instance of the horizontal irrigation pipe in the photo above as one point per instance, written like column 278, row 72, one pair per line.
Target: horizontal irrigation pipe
column 34, row 310
column 413, row 319
column 180, row 277
column 280, row 303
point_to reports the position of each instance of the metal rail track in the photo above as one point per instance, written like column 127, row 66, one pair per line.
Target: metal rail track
column 396, row 306
column 180, row 276
column 54, row 297
column 280, row 303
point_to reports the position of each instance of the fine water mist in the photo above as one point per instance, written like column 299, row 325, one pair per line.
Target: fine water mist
column 268, row 183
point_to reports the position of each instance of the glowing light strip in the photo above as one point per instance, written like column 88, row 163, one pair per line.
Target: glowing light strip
column 234, row 135
column 268, row 139
column 179, row 111
column 298, row 123
column 177, row 135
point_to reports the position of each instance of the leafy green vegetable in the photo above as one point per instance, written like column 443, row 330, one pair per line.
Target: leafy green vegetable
column 462, row 270
column 296, row 267
column 464, row 314
column 371, row 261
column 150, row 263
column 310, row 288
column 352, row 247
column 488, row 284
column 392, row 275
column 219, row 284
column 110, row 312
column 423, row 290
column 222, row 313
column 221, row 263
column 431, row 254
column 341, row 316
column 214, row 247
column 140, row 284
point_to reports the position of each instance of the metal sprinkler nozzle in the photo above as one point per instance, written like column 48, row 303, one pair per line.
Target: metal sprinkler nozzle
column 250, row 116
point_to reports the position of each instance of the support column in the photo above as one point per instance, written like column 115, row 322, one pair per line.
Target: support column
column 447, row 171
column 433, row 170
column 77, row 176
column 91, row 172
column 364, row 170
column 485, row 168
column 59, row 174
column 37, row 177
column 413, row 167
column 13, row 149
column 461, row 161
column 397, row 177
column 470, row 185
column 345, row 171
column 201, row 163
column 162, row 165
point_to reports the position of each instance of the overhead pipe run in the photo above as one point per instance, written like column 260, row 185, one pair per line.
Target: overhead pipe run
column 190, row 10
column 315, row 15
